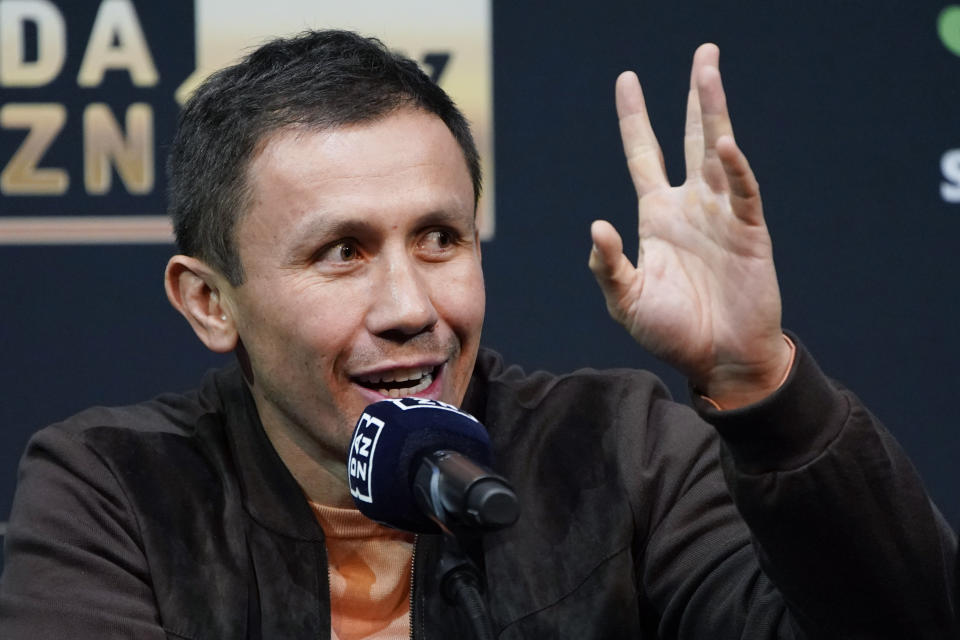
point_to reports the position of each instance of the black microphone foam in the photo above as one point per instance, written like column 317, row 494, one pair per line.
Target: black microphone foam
column 389, row 442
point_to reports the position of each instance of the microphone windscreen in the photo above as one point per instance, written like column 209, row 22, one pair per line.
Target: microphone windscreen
column 390, row 439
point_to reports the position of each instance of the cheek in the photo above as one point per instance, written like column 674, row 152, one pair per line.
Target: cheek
column 463, row 302
column 464, row 305
column 306, row 329
column 330, row 321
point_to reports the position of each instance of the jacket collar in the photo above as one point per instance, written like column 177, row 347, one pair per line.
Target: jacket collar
column 271, row 495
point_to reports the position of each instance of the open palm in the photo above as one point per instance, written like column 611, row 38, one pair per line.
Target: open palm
column 703, row 294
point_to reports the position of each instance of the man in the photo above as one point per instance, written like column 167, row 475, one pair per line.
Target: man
column 324, row 194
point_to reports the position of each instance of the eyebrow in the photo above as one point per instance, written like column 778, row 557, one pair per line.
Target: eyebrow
column 446, row 217
column 327, row 225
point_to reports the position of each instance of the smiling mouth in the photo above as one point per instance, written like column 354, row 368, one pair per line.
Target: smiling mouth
column 399, row 383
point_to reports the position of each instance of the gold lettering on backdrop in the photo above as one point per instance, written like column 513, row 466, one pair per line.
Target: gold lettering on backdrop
column 117, row 21
column 15, row 70
column 104, row 144
column 22, row 176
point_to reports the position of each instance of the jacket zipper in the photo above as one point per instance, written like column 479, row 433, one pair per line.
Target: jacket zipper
column 413, row 573
column 326, row 555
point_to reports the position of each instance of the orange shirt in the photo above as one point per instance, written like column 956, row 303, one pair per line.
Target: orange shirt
column 370, row 575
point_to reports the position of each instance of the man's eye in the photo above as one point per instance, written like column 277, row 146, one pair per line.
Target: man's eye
column 439, row 239
column 343, row 251
column 346, row 252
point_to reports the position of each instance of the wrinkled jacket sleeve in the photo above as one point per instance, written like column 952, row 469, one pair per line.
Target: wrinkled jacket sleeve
column 72, row 559
column 839, row 518
column 805, row 521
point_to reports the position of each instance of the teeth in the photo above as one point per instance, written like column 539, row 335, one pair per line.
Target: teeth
column 425, row 382
column 422, row 377
column 397, row 375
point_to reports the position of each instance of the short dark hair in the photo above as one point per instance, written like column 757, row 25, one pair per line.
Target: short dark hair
column 317, row 79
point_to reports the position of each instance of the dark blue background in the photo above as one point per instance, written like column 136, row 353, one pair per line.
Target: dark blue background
column 844, row 109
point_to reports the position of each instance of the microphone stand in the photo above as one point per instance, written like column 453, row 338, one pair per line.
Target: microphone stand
column 462, row 586
column 464, row 500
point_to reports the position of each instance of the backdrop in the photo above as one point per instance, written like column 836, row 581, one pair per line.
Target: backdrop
column 848, row 111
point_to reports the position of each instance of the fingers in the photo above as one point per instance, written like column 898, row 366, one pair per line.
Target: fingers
column 707, row 54
column 613, row 270
column 709, row 147
column 721, row 163
column 693, row 136
column 644, row 158
column 743, row 185
column 714, row 115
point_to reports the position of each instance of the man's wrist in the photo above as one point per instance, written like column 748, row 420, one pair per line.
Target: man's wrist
column 735, row 396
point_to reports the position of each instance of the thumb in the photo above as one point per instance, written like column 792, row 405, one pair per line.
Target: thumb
column 614, row 272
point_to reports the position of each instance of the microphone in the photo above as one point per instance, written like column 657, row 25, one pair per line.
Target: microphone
column 423, row 466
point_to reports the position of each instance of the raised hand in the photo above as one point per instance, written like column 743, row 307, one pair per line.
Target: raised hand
column 703, row 295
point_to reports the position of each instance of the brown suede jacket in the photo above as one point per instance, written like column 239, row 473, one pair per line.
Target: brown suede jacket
column 175, row 518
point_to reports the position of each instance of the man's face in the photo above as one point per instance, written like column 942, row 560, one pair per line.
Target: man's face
column 363, row 276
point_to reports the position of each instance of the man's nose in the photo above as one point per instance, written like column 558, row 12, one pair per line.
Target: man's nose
column 401, row 305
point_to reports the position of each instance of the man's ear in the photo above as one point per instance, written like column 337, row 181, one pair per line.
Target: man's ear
column 194, row 289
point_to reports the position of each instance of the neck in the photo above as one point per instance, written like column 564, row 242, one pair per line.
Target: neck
column 323, row 481
column 319, row 470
